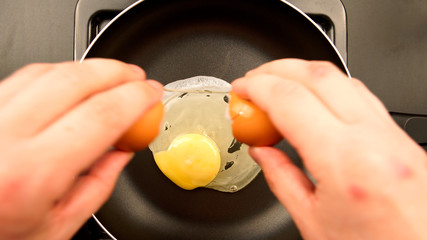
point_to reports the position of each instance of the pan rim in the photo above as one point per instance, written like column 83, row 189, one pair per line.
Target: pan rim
column 347, row 71
column 124, row 11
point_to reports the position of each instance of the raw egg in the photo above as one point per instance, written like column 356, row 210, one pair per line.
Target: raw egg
column 250, row 124
column 195, row 146
column 191, row 161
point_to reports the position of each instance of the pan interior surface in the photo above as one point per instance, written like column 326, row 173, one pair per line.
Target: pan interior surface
column 178, row 39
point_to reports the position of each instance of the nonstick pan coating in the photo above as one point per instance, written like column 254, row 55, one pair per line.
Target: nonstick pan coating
column 177, row 39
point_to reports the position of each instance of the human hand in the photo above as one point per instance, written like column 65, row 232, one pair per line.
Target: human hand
column 370, row 176
column 57, row 122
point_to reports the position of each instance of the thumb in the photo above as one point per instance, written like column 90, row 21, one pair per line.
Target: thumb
column 89, row 192
column 289, row 183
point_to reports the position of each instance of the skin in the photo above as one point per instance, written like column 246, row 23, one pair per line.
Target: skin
column 371, row 178
column 57, row 123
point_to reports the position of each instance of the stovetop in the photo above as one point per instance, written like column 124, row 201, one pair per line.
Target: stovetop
column 384, row 42
column 91, row 16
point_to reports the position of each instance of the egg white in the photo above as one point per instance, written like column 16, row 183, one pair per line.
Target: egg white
column 199, row 105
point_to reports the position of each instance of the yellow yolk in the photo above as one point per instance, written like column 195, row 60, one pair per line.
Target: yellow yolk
column 192, row 160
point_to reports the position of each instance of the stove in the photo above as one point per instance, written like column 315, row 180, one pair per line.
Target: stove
column 91, row 16
column 383, row 42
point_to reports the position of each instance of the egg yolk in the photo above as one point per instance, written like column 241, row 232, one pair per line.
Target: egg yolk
column 191, row 161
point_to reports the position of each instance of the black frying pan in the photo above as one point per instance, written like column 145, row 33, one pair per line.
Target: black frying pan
column 177, row 39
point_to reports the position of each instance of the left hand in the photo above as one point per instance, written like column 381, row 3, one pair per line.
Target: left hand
column 57, row 122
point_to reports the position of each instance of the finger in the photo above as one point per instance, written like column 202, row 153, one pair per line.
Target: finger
column 326, row 81
column 155, row 84
column 94, row 126
column 20, row 79
column 89, row 192
column 60, row 89
column 290, row 185
column 371, row 99
column 295, row 111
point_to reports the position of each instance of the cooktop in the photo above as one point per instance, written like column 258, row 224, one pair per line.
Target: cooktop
column 384, row 42
column 91, row 16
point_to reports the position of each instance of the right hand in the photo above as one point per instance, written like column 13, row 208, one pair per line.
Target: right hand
column 371, row 178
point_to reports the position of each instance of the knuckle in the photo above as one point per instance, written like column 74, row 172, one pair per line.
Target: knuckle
column 281, row 65
column 18, row 197
column 321, row 69
column 116, row 108
column 278, row 63
column 286, row 88
column 36, row 66
column 112, row 69
column 95, row 64
column 102, row 61
column 275, row 66
column 358, row 83
column 66, row 73
column 91, row 75
column 33, row 69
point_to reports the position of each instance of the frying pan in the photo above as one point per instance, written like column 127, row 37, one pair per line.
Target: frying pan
column 178, row 39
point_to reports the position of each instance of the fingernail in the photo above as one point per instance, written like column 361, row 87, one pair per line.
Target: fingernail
column 235, row 83
column 138, row 70
column 156, row 85
column 239, row 88
column 237, row 80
